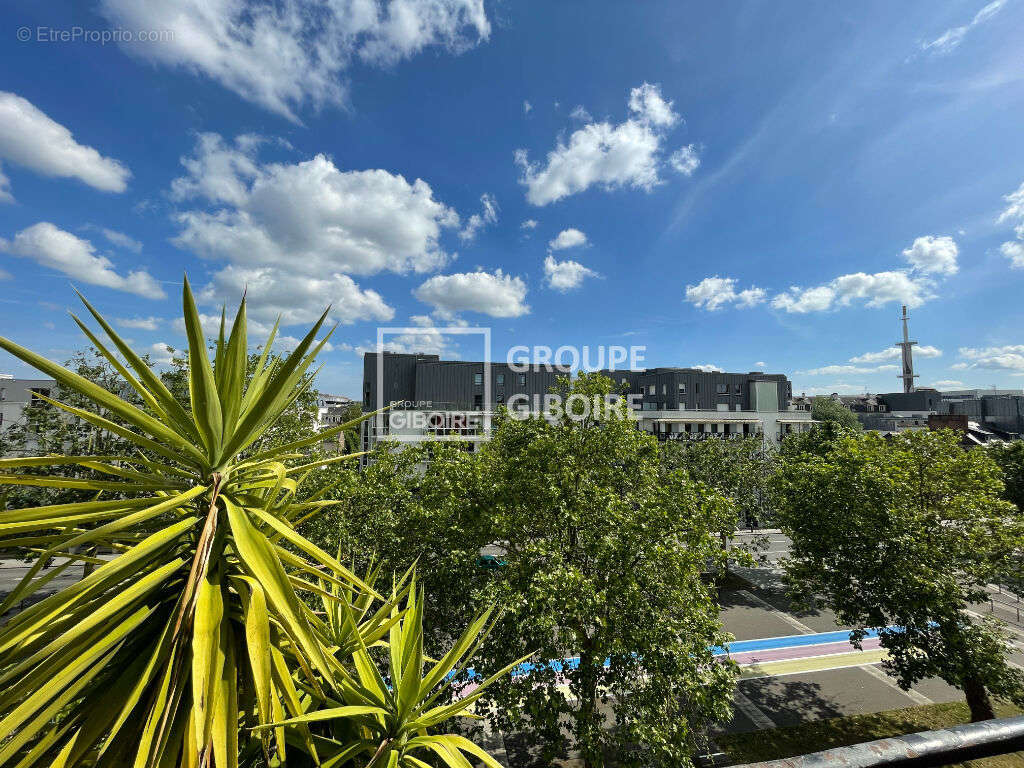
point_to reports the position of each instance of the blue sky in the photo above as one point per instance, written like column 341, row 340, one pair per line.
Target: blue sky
column 739, row 185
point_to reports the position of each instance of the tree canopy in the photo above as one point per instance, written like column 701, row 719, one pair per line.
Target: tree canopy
column 902, row 536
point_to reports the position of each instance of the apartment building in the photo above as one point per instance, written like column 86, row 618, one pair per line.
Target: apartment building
column 454, row 399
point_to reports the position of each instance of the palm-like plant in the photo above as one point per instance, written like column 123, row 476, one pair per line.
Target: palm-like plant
column 195, row 633
column 387, row 720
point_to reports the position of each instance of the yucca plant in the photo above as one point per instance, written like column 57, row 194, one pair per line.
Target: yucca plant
column 195, row 633
column 389, row 720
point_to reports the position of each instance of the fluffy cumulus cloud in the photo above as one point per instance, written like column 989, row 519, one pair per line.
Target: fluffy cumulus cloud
column 297, row 298
column 893, row 353
column 495, row 294
column 626, row 154
column 309, row 216
column 296, row 232
column 685, row 160
column 52, row 247
column 422, row 336
column 1014, row 214
column 952, row 37
column 713, row 293
column 707, row 368
column 285, row 54
column 930, row 258
column 476, row 222
column 875, row 290
column 529, row 224
column 567, row 238
column 31, row 139
column 933, row 255
column 1005, row 358
column 565, row 275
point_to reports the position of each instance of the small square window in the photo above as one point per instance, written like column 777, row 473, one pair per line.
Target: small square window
column 478, row 378
column 500, row 378
column 722, row 389
column 522, row 378
column 682, row 388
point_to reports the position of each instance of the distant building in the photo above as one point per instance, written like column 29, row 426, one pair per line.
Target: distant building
column 17, row 394
column 1002, row 415
column 332, row 410
column 447, row 398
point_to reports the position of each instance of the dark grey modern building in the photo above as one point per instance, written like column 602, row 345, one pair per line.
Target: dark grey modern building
column 673, row 403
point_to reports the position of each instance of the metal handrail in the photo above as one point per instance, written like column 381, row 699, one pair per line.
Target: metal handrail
column 928, row 748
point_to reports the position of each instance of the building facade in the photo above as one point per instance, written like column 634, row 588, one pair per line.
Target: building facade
column 454, row 399
column 17, row 394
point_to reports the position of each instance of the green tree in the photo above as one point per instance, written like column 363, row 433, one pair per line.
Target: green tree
column 826, row 409
column 1010, row 458
column 739, row 469
column 902, row 536
column 604, row 560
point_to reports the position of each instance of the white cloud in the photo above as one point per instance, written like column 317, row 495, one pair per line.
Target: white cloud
column 760, row 365
column 5, row 188
column 297, row 298
column 1014, row 252
column 648, row 104
column 839, row 388
column 489, row 215
column 950, row 384
column 527, row 107
column 685, row 160
column 566, row 275
column 142, row 323
column 707, row 368
column 1006, row 358
column 529, row 224
column 31, row 139
column 308, row 217
column 497, row 294
column 567, row 238
column 423, row 337
column 953, row 36
column 160, row 353
column 54, row 248
column 874, row 289
column 580, row 113
column 843, row 370
column 121, row 240
column 893, row 353
column 611, row 156
column 933, row 255
column 713, row 293
column 285, row 54
column 1014, row 213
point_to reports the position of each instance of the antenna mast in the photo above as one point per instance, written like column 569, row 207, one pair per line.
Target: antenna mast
column 906, row 345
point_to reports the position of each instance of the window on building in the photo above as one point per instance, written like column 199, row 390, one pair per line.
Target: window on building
column 478, row 402
column 500, row 378
column 650, row 406
column 664, row 389
column 722, row 389
column 682, row 388
column 652, row 389
column 696, row 388
column 522, row 378
column 624, row 380
column 44, row 391
column 478, row 379
column 736, row 389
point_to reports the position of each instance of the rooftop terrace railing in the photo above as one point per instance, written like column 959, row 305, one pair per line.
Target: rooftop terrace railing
column 917, row 750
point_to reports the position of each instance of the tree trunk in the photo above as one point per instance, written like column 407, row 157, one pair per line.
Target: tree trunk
column 591, row 752
column 978, row 700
